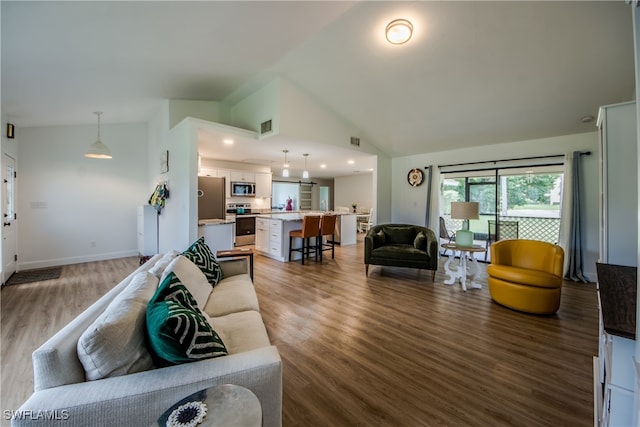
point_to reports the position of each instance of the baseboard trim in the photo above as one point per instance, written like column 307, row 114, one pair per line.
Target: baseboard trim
column 29, row 265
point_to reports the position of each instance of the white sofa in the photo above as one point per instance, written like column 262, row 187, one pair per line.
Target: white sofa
column 64, row 397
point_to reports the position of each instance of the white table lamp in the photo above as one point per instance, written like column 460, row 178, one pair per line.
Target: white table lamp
column 465, row 211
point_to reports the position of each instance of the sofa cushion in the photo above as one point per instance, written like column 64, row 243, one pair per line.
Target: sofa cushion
column 231, row 295
column 400, row 235
column 114, row 344
column 201, row 255
column 189, row 275
column 420, row 242
column 524, row 276
column 179, row 334
column 243, row 331
column 400, row 252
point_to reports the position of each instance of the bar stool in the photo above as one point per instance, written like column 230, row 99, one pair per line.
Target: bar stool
column 310, row 228
column 327, row 228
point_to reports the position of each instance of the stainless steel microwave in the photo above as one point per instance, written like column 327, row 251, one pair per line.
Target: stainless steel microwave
column 243, row 189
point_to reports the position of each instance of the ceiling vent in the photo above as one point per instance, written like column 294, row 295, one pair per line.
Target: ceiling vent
column 265, row 127
column 355, row 141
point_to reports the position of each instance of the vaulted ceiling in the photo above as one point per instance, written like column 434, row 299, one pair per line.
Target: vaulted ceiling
column 473, row 73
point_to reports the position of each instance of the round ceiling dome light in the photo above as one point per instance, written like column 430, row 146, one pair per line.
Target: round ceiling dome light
column 399, row 31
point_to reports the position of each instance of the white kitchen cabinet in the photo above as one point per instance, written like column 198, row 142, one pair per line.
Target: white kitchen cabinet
column 219, row 237
column 275, row 238
column 262, row 234
column 263, row 184
column 147, row 230
column 243, row 176
column 346, row 230
column 618, row 245
column 208, row 172
column 618, row 184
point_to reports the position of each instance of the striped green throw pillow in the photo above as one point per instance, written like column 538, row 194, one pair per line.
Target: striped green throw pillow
column 200, row 254
column 179, row 334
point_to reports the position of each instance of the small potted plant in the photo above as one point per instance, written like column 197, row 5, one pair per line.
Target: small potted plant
column 354, row 206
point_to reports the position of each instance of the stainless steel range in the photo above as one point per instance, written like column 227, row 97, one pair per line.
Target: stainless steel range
column 245, row 223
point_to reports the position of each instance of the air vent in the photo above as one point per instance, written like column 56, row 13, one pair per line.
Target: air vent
column 355, row 141
column 265, row 127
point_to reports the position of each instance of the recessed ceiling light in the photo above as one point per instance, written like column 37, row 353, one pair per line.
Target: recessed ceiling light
column 228, row 141
column 350, row 162
column 399, row 31
column 323, row 166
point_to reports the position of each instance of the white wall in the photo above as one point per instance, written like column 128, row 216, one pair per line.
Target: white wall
column 355, row 189
column 409, row 203
column 73, row 209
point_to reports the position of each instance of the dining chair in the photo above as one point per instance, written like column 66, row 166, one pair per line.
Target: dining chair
column 365, row 224
column 327, row 228
column 310, row 228
column 446, row 234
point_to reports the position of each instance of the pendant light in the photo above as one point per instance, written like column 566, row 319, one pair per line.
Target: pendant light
column 305, row 173
column 98, row 150
column 285, row 170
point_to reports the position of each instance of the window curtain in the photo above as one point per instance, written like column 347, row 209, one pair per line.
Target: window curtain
column 432, row 214
column 570, row 226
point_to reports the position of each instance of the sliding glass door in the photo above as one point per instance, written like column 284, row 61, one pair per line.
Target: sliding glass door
column 514, row 203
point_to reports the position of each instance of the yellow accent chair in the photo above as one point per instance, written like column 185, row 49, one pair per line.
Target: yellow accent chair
column 526, row 275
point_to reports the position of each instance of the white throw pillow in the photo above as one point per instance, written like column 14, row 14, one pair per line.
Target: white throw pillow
column 191, row 277
column 163, row 262
column 115, row 344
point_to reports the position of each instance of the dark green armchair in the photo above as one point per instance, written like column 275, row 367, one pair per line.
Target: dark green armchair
column 401, row 245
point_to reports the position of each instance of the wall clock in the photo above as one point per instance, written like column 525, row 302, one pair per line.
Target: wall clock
column 415, row 177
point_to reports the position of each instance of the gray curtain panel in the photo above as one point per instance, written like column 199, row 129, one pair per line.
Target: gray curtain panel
column 574, row 244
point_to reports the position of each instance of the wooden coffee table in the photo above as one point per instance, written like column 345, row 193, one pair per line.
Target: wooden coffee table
column 461, row 271
column 237, row 253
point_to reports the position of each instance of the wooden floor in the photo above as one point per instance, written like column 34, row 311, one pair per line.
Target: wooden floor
column 393, row 349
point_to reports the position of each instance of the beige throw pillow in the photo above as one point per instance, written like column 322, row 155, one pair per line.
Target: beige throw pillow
column 191, row 277
column 115, row 344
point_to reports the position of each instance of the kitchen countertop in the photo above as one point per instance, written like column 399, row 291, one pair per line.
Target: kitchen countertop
column 215, row 221
column 296, row 215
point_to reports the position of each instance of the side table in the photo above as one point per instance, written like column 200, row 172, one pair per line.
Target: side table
column 226, row 405
column 235, row 253
column 462, row 271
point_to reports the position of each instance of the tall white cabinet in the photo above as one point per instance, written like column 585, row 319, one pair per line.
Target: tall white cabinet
column 147, row 230
column 614, row 371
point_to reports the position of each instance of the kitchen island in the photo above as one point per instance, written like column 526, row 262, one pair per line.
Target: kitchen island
column 272, row 232
column 218, row 233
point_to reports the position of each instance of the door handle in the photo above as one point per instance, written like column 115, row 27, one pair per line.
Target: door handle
column 6, row 223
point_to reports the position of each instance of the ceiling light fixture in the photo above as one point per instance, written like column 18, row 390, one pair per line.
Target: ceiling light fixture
column 98, row 150
column 305, row 172
column 586, row 119
column 399, row 31
column 227, row 141
column 285, row 170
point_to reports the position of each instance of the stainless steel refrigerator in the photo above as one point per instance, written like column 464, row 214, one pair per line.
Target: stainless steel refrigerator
column 211, row 198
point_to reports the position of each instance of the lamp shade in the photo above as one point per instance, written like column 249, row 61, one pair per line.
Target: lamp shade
column 465, row 210
column 98, row 150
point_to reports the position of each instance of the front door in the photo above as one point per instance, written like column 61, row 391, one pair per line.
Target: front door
column 9, row 221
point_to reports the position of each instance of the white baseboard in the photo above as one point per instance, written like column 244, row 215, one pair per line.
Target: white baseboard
column 29, row 265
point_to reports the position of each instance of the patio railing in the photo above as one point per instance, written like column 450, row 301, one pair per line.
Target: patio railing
column 533, row 228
